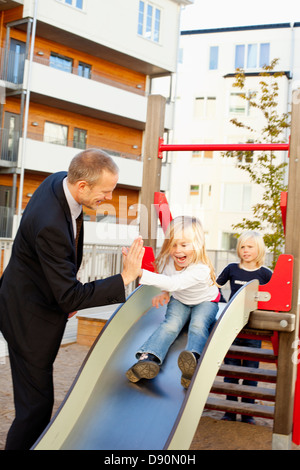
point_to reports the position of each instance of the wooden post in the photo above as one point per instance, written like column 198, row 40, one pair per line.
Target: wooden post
column 283, row 418
column 151, row 168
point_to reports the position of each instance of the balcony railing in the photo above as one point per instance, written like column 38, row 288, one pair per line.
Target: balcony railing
column 80, row 145
column 101, row 261
column 92, row 76
column 9, row 144
column 12, row 70
column 12, row 66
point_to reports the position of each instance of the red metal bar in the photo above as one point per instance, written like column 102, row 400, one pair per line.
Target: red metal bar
column 221, row 147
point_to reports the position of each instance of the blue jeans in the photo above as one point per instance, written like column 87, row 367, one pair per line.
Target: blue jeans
column 202, row 317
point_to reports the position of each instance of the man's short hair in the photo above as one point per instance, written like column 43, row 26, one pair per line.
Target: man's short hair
column 88, row 165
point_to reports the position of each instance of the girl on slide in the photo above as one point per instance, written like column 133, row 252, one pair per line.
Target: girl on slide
column 188, row 282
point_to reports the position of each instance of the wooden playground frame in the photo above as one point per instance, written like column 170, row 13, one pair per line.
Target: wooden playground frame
column 282, row 317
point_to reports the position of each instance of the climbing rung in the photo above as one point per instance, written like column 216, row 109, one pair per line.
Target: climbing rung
column 246, row 391
column 259, row 354
column 261, row 375
column 265, row 335
column 252, row 409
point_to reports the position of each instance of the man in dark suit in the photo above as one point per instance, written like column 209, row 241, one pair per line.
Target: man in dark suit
column 39, row 288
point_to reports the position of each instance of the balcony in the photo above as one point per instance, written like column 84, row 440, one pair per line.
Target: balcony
column 96, row 96
column 49, row 158
column 67, row 91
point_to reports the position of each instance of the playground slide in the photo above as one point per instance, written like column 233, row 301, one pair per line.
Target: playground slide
column 103, row 410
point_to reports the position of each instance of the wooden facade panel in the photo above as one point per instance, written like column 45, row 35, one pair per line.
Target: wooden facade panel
column 7, row 16
column 119, row 206
column 100, row 134
column 109, row 70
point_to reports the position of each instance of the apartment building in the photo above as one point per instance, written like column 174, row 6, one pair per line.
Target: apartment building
column 77, row 74
column 205, row 183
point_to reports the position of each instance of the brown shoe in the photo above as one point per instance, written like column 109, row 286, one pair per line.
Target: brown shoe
column 187, row 363
column 145, row 368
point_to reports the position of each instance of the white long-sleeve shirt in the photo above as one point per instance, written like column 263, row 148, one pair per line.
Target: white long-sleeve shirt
column 190, row 286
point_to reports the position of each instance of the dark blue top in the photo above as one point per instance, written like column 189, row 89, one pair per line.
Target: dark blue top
column 238, row 276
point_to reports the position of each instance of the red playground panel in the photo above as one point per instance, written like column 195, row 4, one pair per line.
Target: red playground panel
column 279, row 286
column 148, row 259
column 162, row 209
column 283, row 205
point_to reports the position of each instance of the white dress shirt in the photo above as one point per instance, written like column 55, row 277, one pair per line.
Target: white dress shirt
column 75, row 208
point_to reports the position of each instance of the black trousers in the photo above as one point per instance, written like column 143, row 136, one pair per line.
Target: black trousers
column 33, row 398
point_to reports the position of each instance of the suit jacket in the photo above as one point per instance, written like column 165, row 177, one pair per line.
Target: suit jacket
column 39, row 287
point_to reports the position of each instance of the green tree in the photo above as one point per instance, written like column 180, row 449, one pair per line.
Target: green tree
column 264, row 169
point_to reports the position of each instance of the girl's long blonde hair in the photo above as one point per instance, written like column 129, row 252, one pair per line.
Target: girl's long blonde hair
column 181, row 227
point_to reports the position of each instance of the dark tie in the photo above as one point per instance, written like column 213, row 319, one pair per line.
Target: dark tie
column 79, row 221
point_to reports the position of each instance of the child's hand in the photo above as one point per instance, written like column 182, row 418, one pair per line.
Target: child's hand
column 161, row 299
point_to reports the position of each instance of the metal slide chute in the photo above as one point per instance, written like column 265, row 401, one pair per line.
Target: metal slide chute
column 103, row 410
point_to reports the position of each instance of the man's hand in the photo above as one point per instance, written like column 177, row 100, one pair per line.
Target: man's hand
column 132, row 261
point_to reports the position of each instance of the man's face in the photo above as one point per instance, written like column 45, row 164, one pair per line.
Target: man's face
column 92, row 197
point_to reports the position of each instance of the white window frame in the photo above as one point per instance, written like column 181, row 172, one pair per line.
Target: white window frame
column 205, row 107
column 239, row 197
column 146, row 30
column 258, row 58
column 73, row 4
column 245, row 110
column 56, row 133
column 213, row 58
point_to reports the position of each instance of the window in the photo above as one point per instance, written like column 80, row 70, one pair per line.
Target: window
column 236, row 197
column 213, row 57
column 149, row 19
column 84, row 70
column 74, row 3
column 264, row 54
column 239, row 56
column 62, row 63
column 156, row 25
column 240, row 105
column 6, row 211
column 252, row 56
column 79, row 138
column 199, row 107
column 210, row 107
column 229, row 241
column 208, row 154
column 194, row 189
column 247, row 156
column 205, row 107
column 237, row 104
column 55, row 133
column 203, row 153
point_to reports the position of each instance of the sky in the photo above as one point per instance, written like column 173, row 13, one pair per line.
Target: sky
column 222, row 13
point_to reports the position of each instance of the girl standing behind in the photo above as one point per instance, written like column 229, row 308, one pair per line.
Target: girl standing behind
column 189, row 287
column 251, row 250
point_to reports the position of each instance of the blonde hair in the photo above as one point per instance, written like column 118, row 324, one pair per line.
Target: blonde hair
column 190, row 227
column 259, row 243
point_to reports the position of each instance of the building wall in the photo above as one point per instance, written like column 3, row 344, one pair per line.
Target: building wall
column 113, row 24
column 210, row 121
column 110, row 106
